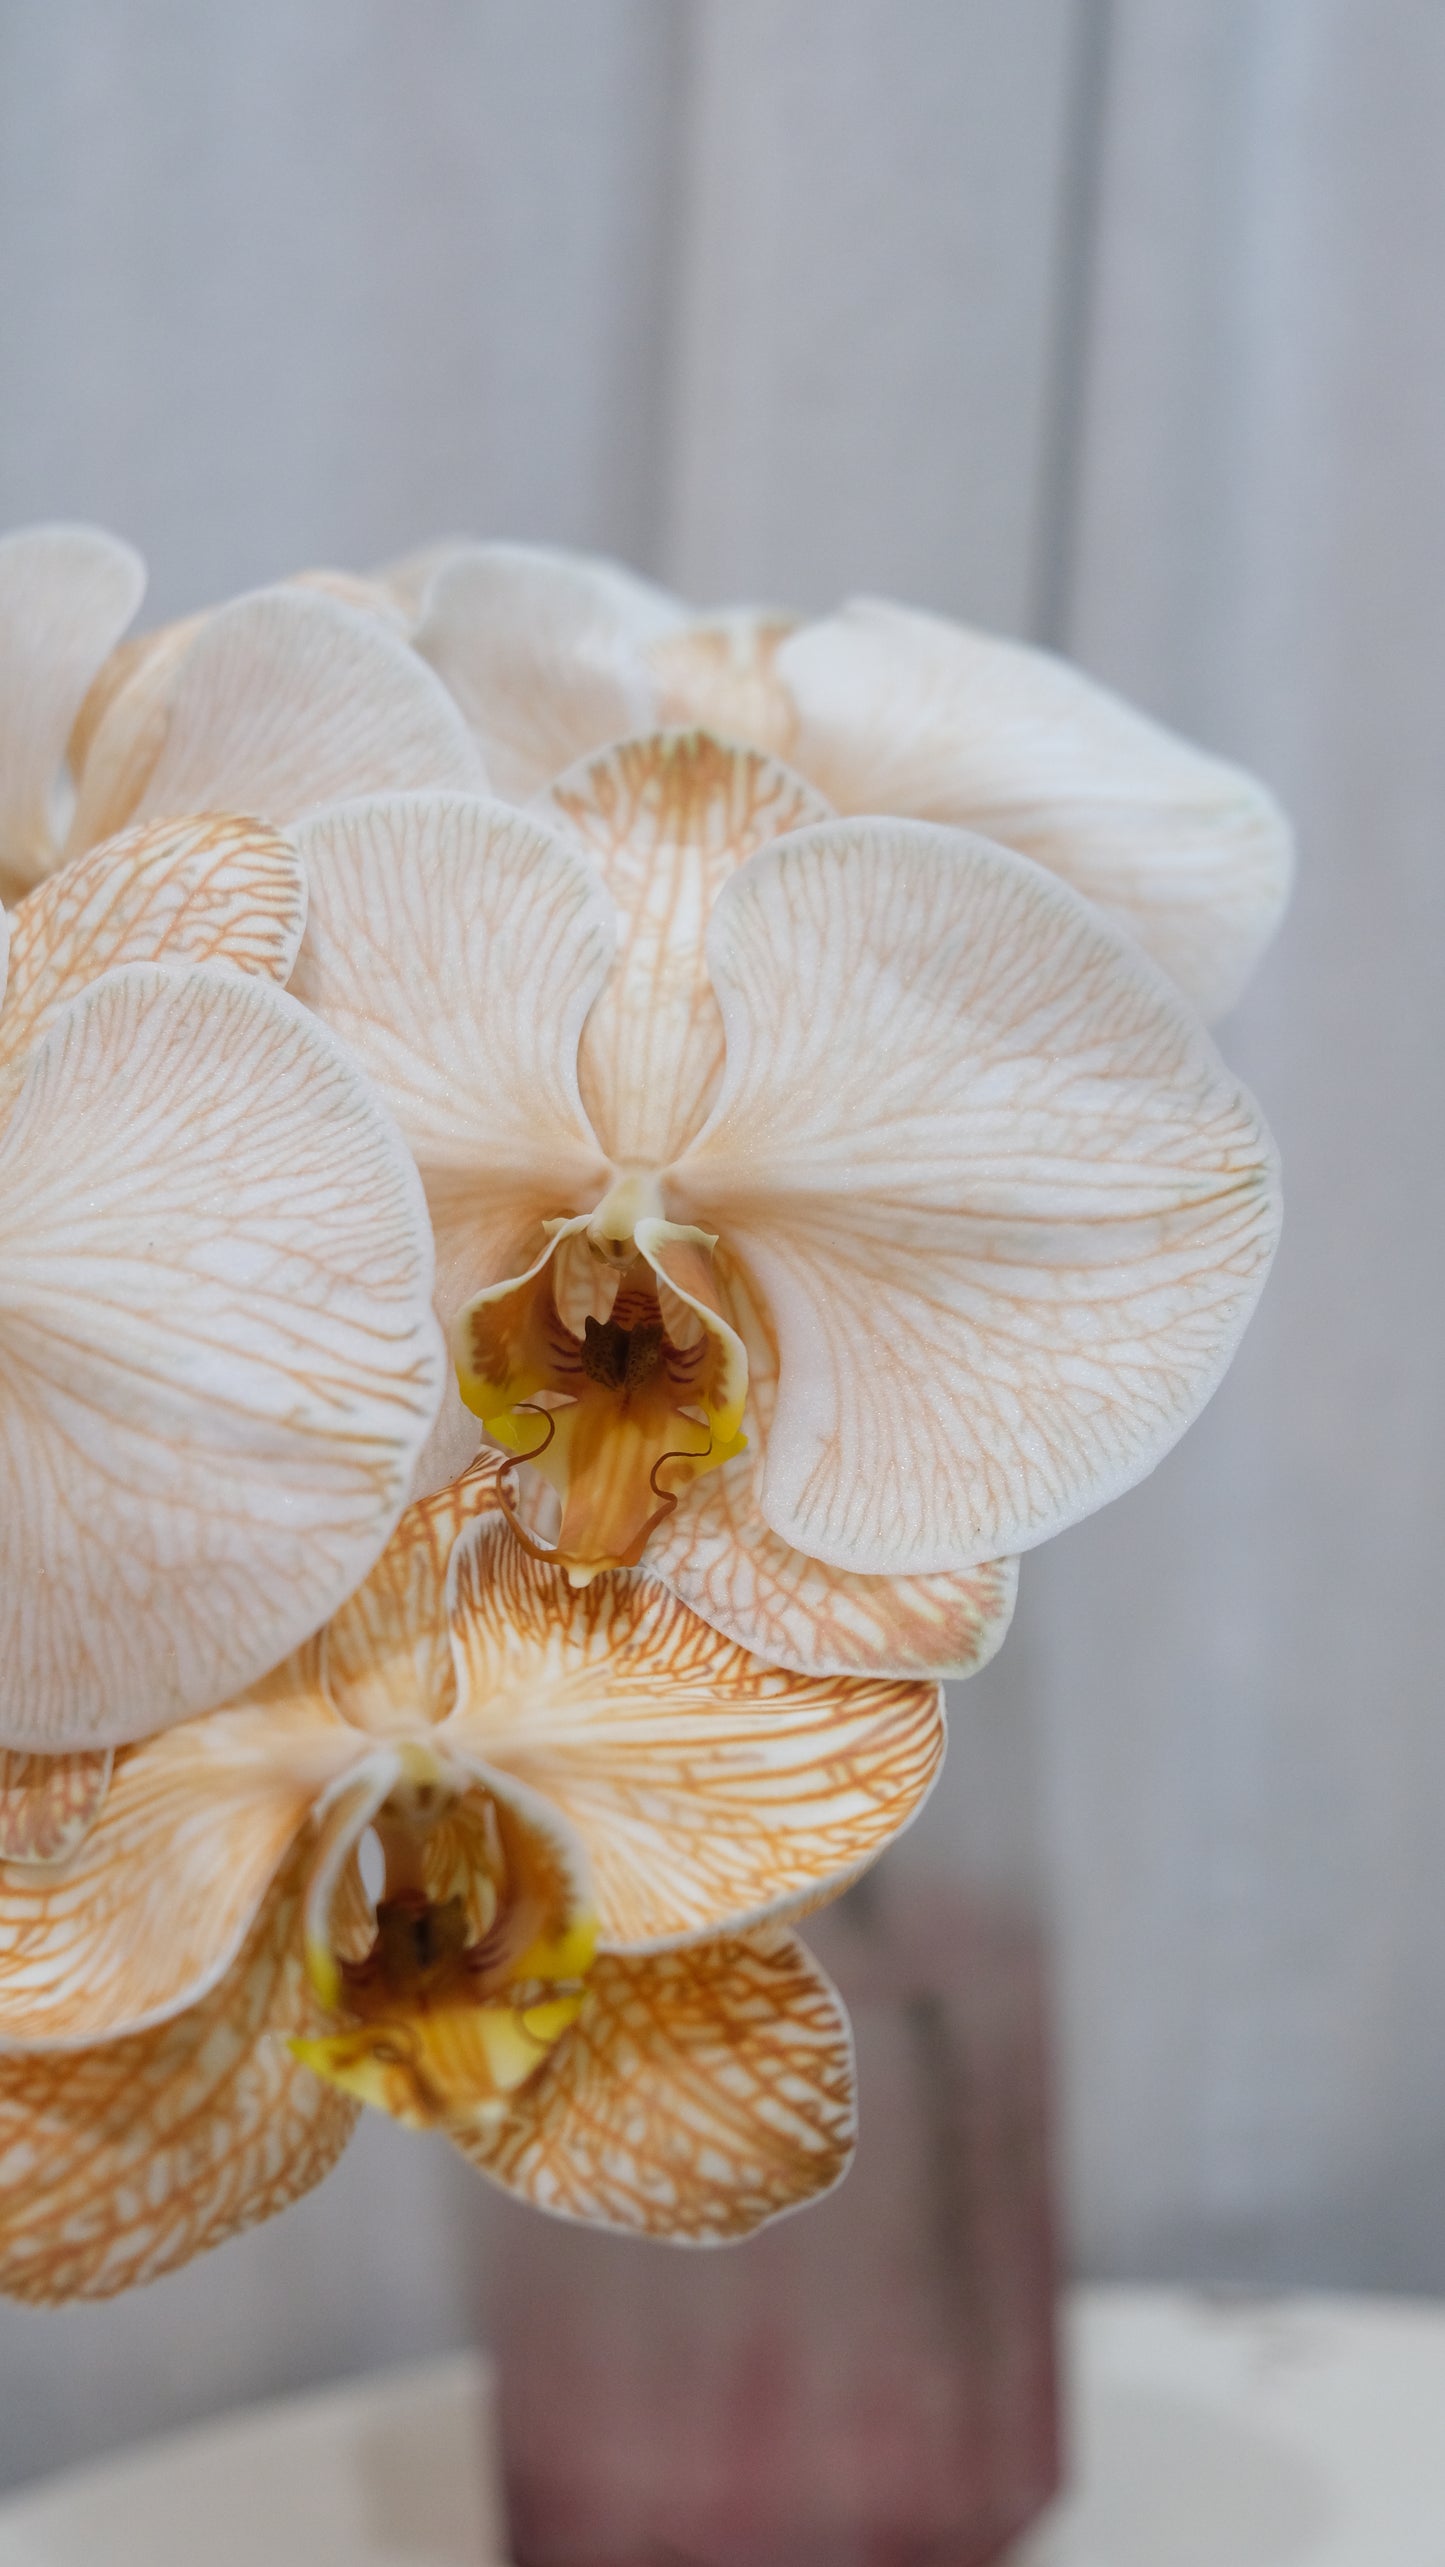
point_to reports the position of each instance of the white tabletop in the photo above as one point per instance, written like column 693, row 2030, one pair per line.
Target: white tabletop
column 1208, row 2433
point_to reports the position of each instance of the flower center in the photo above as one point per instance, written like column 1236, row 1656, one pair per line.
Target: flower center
column 619, row 1413
column 476, row 1967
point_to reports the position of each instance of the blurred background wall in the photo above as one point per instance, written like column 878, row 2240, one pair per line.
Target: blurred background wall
column 1114, row 323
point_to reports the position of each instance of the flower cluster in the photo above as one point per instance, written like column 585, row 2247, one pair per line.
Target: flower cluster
column 576, row 1183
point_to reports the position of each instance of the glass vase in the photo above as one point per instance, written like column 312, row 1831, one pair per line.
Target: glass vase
column 867, row 2383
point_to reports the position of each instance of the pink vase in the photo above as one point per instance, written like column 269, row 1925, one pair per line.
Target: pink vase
column 869, row 2383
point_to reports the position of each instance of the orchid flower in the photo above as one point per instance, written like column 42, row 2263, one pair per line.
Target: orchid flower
column 217, row 1350
column 271, row 705
column 885, row 710
column 594, row 1815
column 868, row 1142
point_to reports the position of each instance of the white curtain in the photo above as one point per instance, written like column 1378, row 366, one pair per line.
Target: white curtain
column 1116, row 322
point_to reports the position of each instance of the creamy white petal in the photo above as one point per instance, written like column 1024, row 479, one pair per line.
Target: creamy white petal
column 211, row 889
column 902, row 712
column 67, row 594
column 544, row 653
column 1005, row 1206
column 286, row 700
column 667, row 820
column 456, row 945
column 217, row 1351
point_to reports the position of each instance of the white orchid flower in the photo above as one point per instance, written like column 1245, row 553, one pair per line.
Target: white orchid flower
column 866, row 1140
column 595, row 1816
column 552, row 655
column 218, row 1361
column 271, row 705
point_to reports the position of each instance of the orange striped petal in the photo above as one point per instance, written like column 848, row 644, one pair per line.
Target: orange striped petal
column 49, row 1804
column 388, row 1650
column 706, row 1787
column 700, row 2094
column 543, row 652
column 667, row 820
column 1006, row 1208
column 897, row 711
column 155, row 1901
column 213, row 890
column 122, row 2162
column 273, row 705
column 218, row 1356
column 67, row 594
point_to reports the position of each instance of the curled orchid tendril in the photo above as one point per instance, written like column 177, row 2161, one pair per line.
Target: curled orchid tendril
column 549, row 1554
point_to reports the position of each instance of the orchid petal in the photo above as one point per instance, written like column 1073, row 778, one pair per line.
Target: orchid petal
column 49, row 1804
column 667, row 821
column 387, row 1651
column 280, row 702
column 456, row 946
column 724, row 1560
column 721, row 672
column 543, row 651
column 700, row 2094
column 216, row 1344
column 154, row 1905
column 67, row 594
column 707, row 1788
column 178, row 891
column 1008, row 1211
column 122, row 2162
column 902, row 712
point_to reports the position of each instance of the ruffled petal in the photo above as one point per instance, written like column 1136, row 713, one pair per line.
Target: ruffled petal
column 898, row 711
column 119, row 2163
column 216, row 1346
column 155, row 1902
column 719, row 1553
column 543, row 652
column 388, row 1651
column 67, row 594
column 49, row 1804
column 707, row 1788
column 456, row 946
column 276, row 704
column 667, row 820
column 177, row 891
column 1006, row 1208
column 701, row 2094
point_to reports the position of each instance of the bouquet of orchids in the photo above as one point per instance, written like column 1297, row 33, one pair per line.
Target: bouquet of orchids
column 576, row 1183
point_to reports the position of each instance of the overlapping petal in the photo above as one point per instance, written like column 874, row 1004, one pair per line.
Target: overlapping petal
column 1008, row 1211
column 67, row 594
column 706, row 1787
column 701, row 2094
column 216, row 1348
column 154, row 1904
column 667, row 820
column 48, row 1804
column 902, row 712
column 121, row 2162
column 722, row 1557
column 207, row 890
column 388, row 1652
column 273, row 705
column 543, row 652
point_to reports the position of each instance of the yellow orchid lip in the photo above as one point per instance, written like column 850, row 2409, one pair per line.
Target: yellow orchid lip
column 619, row 1417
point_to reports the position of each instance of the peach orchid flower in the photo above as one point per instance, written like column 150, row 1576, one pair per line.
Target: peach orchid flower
column 552, row 655
column 866, row 1141
column 272, row 704
column 216, row 1342
column 594, row 1815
